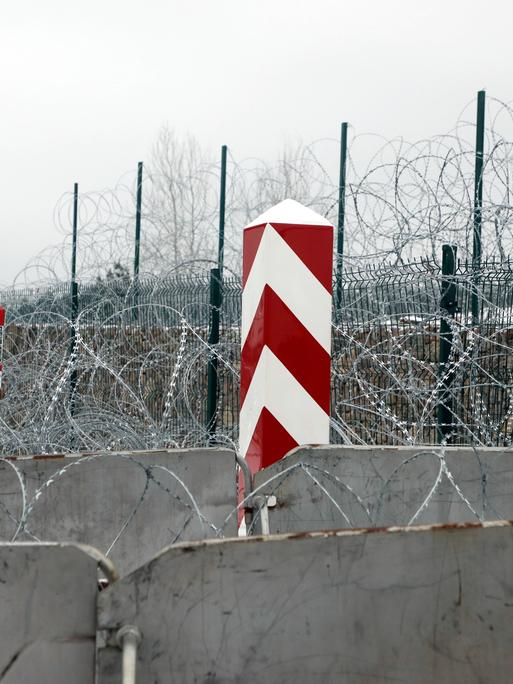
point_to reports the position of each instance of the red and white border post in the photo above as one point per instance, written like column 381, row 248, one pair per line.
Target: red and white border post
column 286, row 333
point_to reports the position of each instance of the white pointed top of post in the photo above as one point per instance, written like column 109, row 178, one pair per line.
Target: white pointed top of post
column 290, row 211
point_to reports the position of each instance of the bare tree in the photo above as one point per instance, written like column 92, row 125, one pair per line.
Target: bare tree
column 404, row 202
column 180, row 204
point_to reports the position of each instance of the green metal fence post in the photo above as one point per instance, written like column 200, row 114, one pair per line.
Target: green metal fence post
column 216, row 300
column 74, row 301
column 478, row 204
column 137, row 246
column 341, row 211
column 138, row 220
column 448, row 305
column 74, row 236
column 213, row 340
column 222, row 207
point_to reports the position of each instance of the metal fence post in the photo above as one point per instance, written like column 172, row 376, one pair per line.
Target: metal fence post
column 341, row 211
column 74, row 302
column 213, row 340
column 216, row 298
column 222, row 208
column 72, row 343
column 478, row 204
column 137, row 245
column 448, row 305
column 137, row 248
column 74, row 235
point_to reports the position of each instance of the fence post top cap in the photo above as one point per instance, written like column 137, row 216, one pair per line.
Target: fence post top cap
column 290, row 211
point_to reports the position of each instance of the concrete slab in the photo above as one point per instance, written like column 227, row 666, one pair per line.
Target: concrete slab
column 48, row 606
column 332, row 487
column 417, row 604
column 129, row 505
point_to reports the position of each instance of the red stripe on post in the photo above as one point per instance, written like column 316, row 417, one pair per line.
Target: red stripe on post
column 276, row 327
column 269, row 443
column 301, row 239
column 252, row 238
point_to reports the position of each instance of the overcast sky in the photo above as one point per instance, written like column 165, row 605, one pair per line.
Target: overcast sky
column 85, row 86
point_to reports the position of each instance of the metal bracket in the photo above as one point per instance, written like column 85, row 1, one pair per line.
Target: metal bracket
column 263, row 503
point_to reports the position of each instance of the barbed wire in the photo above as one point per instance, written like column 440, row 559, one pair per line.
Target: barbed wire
column 139, row 364
column 130, row 372
column 141, row 371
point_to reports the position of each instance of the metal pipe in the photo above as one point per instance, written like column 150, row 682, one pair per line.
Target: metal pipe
column 248, row 488
column 128, row 638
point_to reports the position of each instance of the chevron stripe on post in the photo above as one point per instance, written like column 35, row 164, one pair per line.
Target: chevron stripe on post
column 286, row 333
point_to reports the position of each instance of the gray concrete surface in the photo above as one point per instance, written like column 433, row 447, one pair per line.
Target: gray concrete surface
column 418, row 605
column 139, row 502
column 332, row 487
column 48, row 614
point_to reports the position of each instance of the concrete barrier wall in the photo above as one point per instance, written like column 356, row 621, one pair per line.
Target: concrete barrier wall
column 48, row 614
column 416, row 605
column 346, row 487
column 128, row 505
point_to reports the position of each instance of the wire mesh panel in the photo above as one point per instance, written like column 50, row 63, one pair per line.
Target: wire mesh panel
column 387, row 375
column 385, row 355
column 139, row 356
